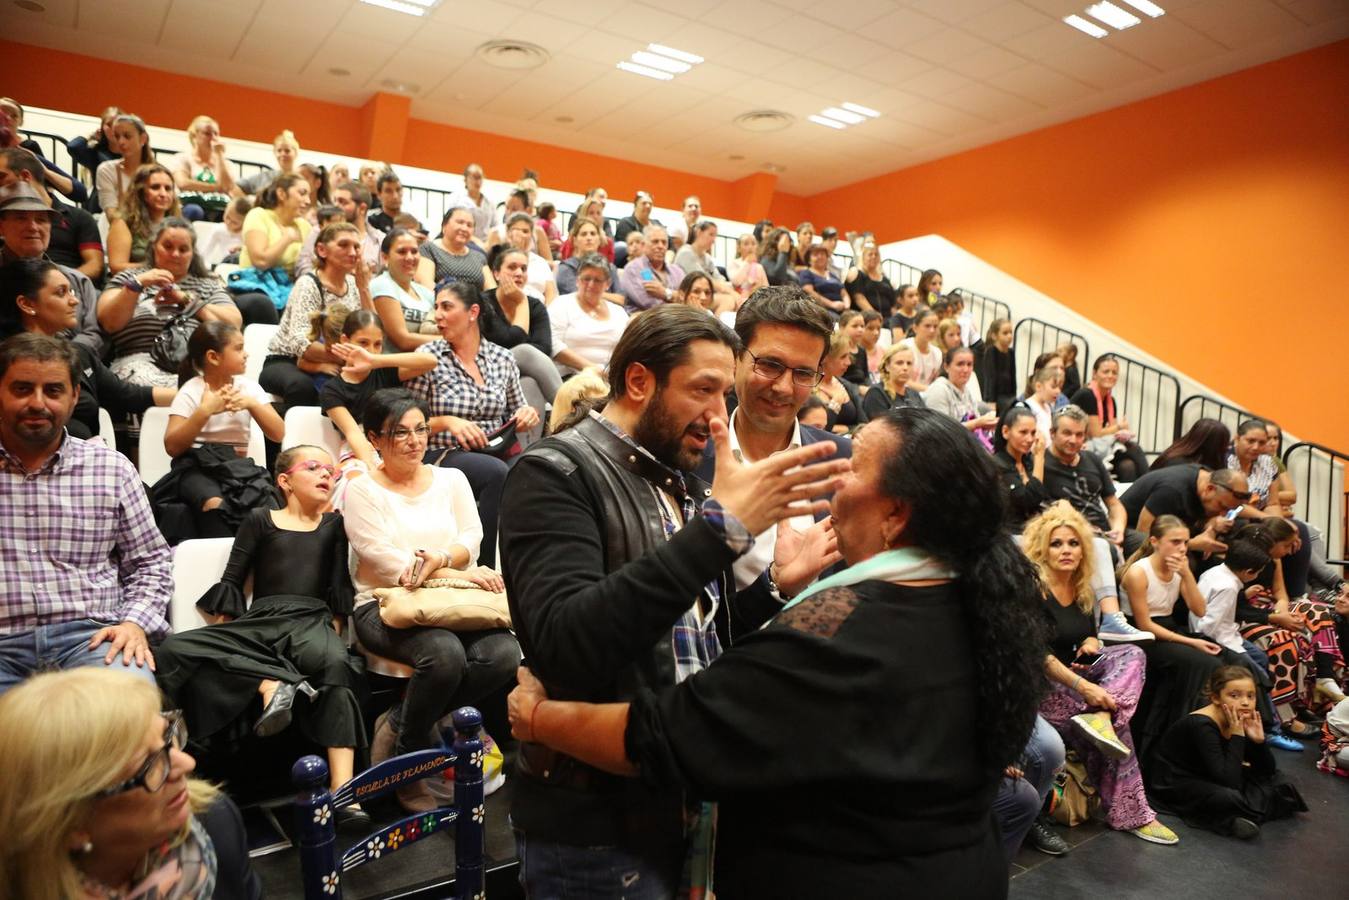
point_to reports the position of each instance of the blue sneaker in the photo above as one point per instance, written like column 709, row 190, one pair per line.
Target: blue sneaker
column 1283, row 742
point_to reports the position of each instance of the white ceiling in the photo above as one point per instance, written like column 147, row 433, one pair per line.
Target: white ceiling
column 948, row 75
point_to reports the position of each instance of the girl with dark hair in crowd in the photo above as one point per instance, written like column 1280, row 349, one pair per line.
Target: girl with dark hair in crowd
column 113, row 178
column 404, row 305
column 275, row 229
column 929, row 287
column 317, row 176
column 288, row 638
column 366, row 368
column 1019, row 452
column 775, row 254
column 1214, row 768
column 927, row 355
column 214, row 411
column 1094, row 689
column 1206, row 443
column 409, row 522
column 1111, row 436
column 151, row 197
column 997, row 365
column 935, row 594
column 1154, row 578
column 905, row 312
column 696, row 290
column 519, row 322
column 36, row 296
column 1072, row 375
column 93, row 150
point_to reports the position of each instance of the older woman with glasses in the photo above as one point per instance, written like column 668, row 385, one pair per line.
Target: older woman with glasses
column 97, row 803
column 408, row 522
column 584, row 324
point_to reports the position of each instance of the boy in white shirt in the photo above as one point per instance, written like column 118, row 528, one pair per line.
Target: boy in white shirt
column 1221, row 586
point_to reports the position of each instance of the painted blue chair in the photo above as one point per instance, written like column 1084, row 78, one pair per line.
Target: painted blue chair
column 320, row 866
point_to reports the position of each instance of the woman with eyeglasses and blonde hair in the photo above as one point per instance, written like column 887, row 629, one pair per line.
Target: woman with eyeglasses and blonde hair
column 96, row 801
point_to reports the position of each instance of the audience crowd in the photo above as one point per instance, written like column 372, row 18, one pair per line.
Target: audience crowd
column 763, row 453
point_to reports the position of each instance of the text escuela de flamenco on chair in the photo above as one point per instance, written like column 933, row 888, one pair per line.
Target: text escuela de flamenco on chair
column 320, row 863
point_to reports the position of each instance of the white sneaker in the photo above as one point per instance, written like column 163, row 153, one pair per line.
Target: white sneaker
column 1115, row 630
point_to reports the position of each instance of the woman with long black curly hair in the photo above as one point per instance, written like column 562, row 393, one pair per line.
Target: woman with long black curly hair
column 855, row 743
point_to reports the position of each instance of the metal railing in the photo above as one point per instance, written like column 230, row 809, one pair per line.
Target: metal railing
column 1202, row 406
column 983, row 309
column 901, row 273
column 1033, row 337
column 1149, row 398
column 1317, row 473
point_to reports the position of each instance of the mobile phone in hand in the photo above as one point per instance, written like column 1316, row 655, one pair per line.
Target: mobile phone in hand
column 1087, row 659
column 417, row 567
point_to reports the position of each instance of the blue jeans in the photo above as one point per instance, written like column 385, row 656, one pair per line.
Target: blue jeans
column 1019, row 800
column 550, row 871
column 61, row 646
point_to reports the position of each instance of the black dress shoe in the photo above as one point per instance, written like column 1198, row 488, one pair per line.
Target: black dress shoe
column 276, row 717
column 351, row 819
column 1045, row 840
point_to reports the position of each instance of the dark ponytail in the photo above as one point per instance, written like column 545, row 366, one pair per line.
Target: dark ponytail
column 956, row 508
column 214, row 335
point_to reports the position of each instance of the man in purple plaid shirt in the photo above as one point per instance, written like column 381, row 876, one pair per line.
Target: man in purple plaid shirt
column 87, row 575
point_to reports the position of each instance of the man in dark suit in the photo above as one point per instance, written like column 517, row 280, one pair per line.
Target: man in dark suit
column 784, row 335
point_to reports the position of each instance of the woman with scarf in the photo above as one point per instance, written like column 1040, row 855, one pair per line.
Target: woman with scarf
column 1111, row 437
column 892, row 695
column 96, row 802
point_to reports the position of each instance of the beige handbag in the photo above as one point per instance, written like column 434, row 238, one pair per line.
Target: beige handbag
column 452, row 603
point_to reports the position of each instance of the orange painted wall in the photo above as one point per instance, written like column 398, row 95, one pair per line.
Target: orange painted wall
column 59, row 80
column 1206, row 225
column 37, row 76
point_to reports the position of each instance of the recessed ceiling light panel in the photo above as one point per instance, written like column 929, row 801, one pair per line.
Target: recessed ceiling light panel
column 832, row 123
column 638, row 69
column 1147, row 8
column 1082, row 25
column 409, row 8
column 843, row 115
column 864, row 110
column 664, row 63
column 1112, row 15
column 681, row 55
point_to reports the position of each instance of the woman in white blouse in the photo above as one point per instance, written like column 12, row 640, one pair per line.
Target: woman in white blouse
column 408, row 522
column 583, row 322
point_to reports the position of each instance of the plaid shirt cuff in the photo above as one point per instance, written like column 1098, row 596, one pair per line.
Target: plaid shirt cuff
column 728, row 527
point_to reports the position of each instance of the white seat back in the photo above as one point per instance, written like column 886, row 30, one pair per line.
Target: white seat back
column 105, row 429
column 197, row 565
column 256, row 339
column 308, row 425
column 155, row 460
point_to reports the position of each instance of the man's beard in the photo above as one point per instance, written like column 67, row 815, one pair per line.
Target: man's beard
column 661, row 436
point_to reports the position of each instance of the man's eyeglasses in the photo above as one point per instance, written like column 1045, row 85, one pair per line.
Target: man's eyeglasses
column 402, row 434
column 1243, row 496
column 772, row 370
column 312, row 465
column 155, row 772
